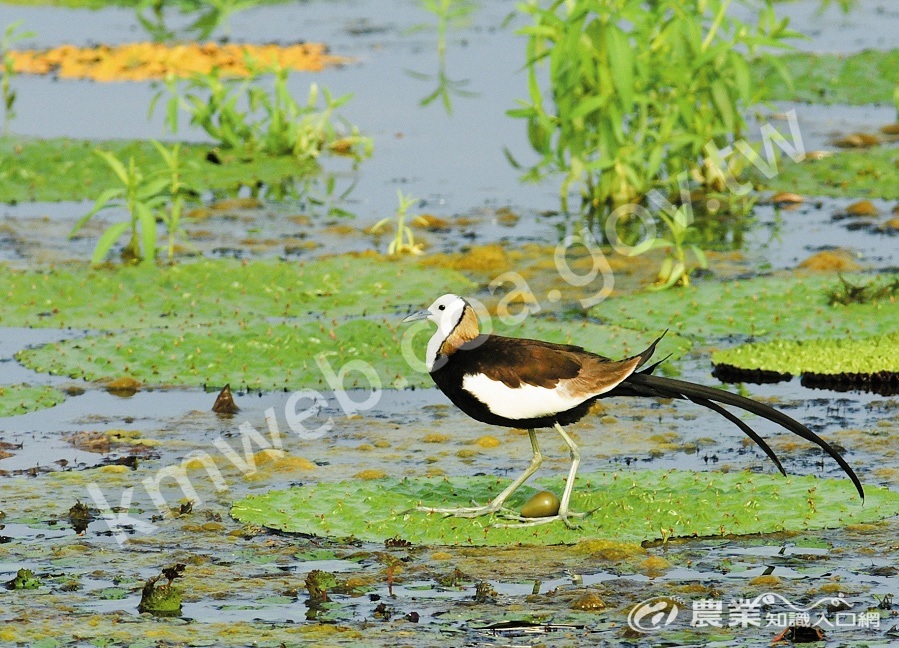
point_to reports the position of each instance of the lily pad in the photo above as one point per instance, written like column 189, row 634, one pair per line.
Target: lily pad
column 20, row 399
column 63, row 169
column 821, row 356
column 219, row 292
column 292, row 355
column 861, row 78
column 872, row 173
column 630, row 507
column 785, row 306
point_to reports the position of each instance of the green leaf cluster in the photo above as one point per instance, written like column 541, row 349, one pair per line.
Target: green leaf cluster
column 244, row 116
column 629, row 507
column 142, row 196
column 637, row 91
column 829, row 356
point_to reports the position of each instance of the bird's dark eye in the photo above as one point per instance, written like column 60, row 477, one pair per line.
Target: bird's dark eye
column 441, row 307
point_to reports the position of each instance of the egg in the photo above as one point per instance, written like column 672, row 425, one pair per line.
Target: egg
column 543, row 504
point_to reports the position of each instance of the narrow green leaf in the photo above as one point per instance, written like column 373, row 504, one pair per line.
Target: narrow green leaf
column 107, row 240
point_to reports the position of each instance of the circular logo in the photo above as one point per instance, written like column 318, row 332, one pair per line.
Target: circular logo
column 652, row 614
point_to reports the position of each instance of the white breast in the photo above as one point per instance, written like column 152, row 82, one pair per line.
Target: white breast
column 524, row 402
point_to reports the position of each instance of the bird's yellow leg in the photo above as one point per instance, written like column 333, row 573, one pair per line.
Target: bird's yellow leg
column 564, row 513
column 496, row 504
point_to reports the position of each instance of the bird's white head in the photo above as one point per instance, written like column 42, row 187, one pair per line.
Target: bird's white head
column 447, row 312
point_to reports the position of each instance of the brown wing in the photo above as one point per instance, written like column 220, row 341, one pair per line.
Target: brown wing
column 515, row 361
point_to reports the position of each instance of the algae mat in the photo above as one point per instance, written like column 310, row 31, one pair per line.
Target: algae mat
column 630, row 507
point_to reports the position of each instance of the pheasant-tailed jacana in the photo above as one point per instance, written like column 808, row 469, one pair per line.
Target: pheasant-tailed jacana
column 529, row 384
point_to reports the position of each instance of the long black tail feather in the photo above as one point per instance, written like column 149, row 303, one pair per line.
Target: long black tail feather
column 645, row 384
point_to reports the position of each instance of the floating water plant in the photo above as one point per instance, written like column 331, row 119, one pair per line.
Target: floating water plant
column 23, row 398
column 792, row 306
column 24, row 579
column 63, row 169
column 162, row 600
column 272, row 122
column 630, row 507
column 848, row 292
column 853, row 361
column 286, row 355
column 861, row 78
column 217, row 292
column 143, row 61
column 872, row 172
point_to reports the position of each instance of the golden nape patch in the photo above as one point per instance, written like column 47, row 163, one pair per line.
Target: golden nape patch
column 142, row 61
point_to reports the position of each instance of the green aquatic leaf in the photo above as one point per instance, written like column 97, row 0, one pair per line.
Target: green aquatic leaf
column 630, row 507
column 20, row 399
column 291, row 355
column 217, row 292
column 865, row 355
column 788, row 306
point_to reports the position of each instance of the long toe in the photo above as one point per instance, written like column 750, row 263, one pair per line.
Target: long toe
column 521, row 522
column 464, row 511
